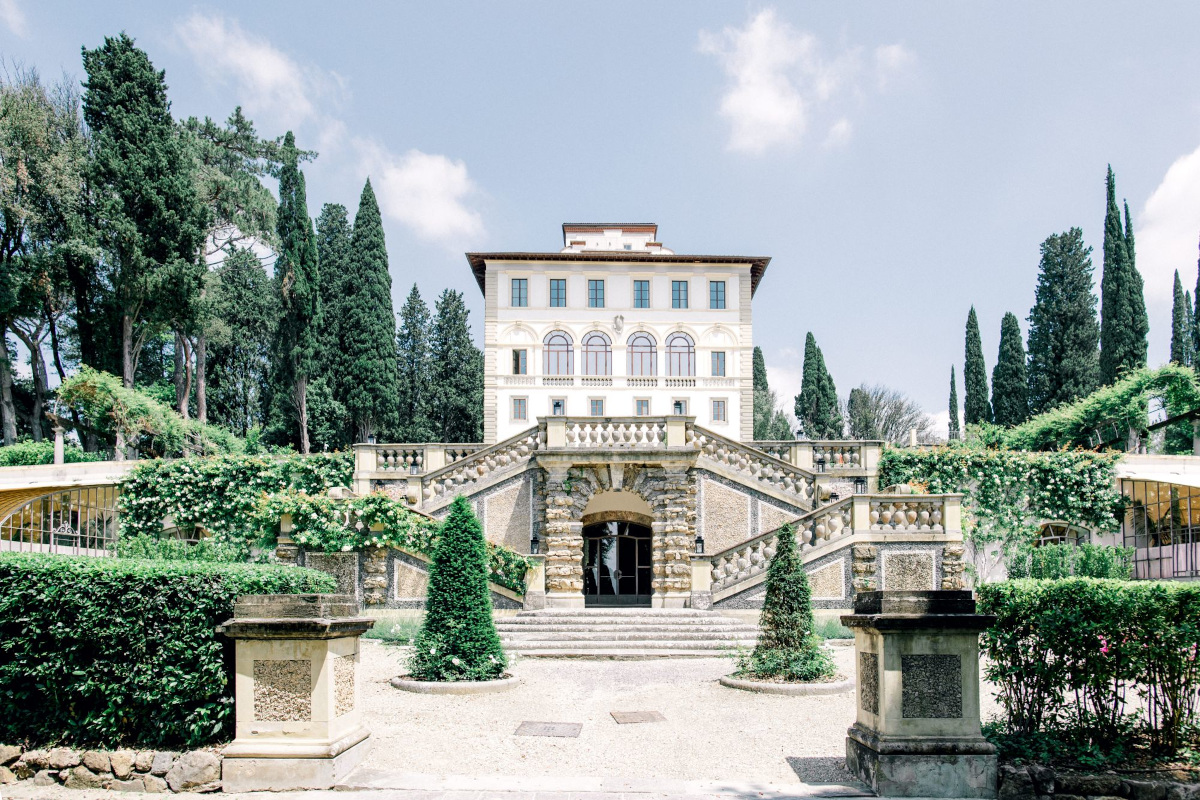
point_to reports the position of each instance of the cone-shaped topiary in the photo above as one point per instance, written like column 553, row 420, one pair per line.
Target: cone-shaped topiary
column 458, row 640
column 787, row 648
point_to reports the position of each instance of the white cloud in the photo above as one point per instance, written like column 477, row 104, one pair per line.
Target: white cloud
column 779, row 77
column 425, row 192
column 13, row 17
column 839, row 133
column 1166, row 235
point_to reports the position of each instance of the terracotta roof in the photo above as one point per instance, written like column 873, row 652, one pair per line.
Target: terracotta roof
column 758, row 264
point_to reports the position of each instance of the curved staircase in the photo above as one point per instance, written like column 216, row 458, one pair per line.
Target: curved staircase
column 618, row 633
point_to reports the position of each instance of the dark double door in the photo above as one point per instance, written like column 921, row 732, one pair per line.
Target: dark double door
column 616, row 564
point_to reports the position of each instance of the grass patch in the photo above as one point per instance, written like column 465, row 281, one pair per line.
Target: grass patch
column 832, row 628
column 400, row 630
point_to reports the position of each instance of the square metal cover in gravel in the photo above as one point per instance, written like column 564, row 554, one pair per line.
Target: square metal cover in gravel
column 627, row 717
column 566, row 730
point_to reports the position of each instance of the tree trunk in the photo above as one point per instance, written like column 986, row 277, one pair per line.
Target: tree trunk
column 7, row 409
column 84, row 325
column 119, row 449
column 37, row 363
column 302, row 406
column 127, row 365
column 178, row 377
column 202, row 377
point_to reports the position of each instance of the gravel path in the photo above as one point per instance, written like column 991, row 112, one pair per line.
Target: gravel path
column 710, row 732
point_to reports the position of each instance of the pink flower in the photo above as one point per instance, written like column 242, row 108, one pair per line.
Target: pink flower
column 1103, row 645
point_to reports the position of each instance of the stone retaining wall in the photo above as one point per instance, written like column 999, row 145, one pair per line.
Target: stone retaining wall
column 118, row 770
column 1038, row 782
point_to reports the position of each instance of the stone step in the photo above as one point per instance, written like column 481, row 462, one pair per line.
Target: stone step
column 616, row 644
column 626, row 636
column 571, row 627
column 588, row 619
column 619, row 653
column 603, row 611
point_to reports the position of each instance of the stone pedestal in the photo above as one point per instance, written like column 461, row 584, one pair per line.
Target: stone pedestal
column 917, row 733
column 296, row 689
column 535, row 583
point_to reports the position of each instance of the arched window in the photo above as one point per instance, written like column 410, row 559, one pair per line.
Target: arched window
column 560, row 354
column 643, row 355
column 681, row 356
column 597, row 354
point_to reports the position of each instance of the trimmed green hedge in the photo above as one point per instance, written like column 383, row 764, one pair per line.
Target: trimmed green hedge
column 28, row 454
column 109, row 652
column 1069, row 655
column 1052, row 561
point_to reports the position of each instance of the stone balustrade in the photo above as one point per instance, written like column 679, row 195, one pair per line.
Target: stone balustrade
column 470, row 469
column 849, row 456
column 774, row 472
column 410, row 459
column 600, row 432
column 914, row 513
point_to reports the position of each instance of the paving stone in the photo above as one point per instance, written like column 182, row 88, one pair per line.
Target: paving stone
column 194, row 769
column 83, row 778
column 121, row 762
column 565, row 730
column 143, row 760
column 8, row 754
column 154, row 783
column 163, row 762
column 629, row 717
column 131, row 785
column 96, row 761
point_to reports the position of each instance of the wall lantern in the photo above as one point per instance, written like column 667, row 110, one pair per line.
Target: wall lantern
column 699, row 545
column 370, row 438
column 821, row 464
column 535, row 544
column 834, row 497
column 860, row 485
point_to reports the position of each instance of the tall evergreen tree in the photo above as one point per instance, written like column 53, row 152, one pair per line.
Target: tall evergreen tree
column 412, row 345
column 955, row 431
column 1010, row 384
column 1195, row 311
column 860, row 415
column 1124, row 325
column 297, row 278
column 976, row 407
column 368, row 325
column 1063, row 332
column 149, row 218
column 456, row 374
column 817, row 403
column 770, row 423
column 1180, row 334
column 1190, row 327
column 333, row 254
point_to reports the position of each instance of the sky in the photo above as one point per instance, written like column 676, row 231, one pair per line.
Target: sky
column 898, row 162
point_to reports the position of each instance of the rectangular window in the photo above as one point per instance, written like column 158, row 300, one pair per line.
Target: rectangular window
column 520, row 362
column 716, row 294
column 642, row 408
column 520, row 292
column 718, row 363
column 596, row 294
column 680, row 408
column 558, row 292
column 718, row 411
column 520, row 409
column 641, row 294
column 597, row 407
column 679, row 294
column 558, row 407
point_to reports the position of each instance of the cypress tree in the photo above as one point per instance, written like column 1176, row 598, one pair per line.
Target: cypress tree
column 333, row 254
column 1063, row 332
column 1180, row 334
column 412, row 345
column 860, row 415
column 1124, row 325
column 817, row 403
column 760, row 370
column 787, row 647
column 368, row 326
column 456, row 374
column 1190, row 327
column 976, row 407
column 1195, row 312
column 297, row 278
column 1010, row 386
column 458, row 639
column 955, row 431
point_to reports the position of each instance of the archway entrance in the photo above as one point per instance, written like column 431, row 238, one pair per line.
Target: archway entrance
column 617, row 564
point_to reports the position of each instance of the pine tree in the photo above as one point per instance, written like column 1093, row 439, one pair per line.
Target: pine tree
column 976, row 407
column 1063, row 332
column 817, row 403
column 333, row 254
column 1010, row 384
column 458, row 639
column 368, row 326
column 297, row 279
column 1180, row 334
column 412, row 345
column 955, row 431
column 787, row 648
column 147, row 214
column 770, row 423
column 1124, row 325
column 456, row 374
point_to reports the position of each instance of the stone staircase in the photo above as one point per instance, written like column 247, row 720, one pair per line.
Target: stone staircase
column 623, row 633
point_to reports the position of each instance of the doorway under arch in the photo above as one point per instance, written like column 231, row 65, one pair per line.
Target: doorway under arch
column 617, row 564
